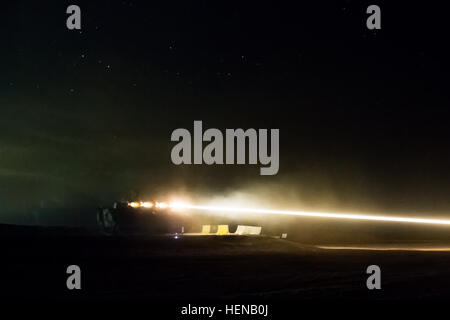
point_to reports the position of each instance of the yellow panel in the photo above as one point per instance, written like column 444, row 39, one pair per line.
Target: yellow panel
column 222, row 229
column 206, row 228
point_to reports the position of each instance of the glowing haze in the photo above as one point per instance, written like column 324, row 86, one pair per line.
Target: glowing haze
column 180, row 206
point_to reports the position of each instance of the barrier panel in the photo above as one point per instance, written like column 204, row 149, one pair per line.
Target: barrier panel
column 206, row 229
column 250, row 230
column 223, row 230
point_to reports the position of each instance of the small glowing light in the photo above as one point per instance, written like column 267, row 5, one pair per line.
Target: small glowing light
column 134, row 204
column 146, row 204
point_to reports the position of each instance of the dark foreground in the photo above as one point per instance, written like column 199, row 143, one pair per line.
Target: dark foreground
column 198, row 268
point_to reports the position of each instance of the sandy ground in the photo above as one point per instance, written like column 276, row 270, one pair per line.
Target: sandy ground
column 34, row 262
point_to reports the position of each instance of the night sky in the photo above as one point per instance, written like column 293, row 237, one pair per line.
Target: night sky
column 86, row 116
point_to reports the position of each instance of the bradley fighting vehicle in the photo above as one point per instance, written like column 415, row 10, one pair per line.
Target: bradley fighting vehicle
column 156, row 218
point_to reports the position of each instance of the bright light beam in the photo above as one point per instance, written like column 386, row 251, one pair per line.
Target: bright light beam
column 180, row 206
